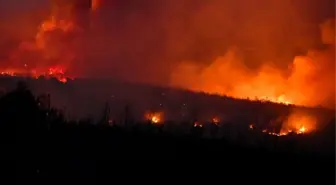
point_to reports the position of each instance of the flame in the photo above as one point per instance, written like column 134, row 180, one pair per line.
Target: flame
column 52, row 54
column 251, row 126
column 302, row 130
column 299, row 123
column 298, row 84
column 196, row 124
column 215, row 120
column 237, row 82
column 296, row 123
column 154, row 117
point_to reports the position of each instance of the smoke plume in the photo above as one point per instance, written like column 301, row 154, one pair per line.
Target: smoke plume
column 267, row 49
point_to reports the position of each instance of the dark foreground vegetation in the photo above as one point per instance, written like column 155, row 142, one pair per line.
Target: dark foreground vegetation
column 48, row 146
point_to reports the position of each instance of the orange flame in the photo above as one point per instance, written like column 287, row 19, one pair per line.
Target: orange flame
column 215, row 120
column 299, row 123
column 196, row 124
column 226, row 76
column 302, row 130
column 154, row 117
column 47, row 50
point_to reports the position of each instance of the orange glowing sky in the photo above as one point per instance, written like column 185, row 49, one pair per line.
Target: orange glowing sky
column 274, row 52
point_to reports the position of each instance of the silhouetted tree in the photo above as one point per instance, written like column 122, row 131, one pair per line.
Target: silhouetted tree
column 20, row 108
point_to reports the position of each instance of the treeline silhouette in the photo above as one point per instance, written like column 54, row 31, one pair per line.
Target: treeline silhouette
column 43, row 134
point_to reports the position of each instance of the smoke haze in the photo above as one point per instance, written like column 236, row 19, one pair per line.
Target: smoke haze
column 242, row 48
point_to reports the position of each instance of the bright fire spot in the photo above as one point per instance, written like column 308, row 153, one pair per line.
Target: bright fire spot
column 296, row 123
column 299, row 123
column 215, row 120
column 280, row 99
column 302, row 130
column 251, row 126
column 53, row 72
column 283, row 134
column 196, row 124
column 155, row 117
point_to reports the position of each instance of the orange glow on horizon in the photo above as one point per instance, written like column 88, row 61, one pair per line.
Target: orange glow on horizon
column 225, row 76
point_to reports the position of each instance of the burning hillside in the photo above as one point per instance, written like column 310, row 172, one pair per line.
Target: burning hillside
column 309, row 79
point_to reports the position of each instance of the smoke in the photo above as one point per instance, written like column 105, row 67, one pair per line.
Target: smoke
column 308, row 80
column 156, row 36
column 264, row 48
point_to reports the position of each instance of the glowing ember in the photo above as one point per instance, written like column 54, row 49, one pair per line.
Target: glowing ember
column 283, row 134
column 302, row 130
column 196, row 124
column 251, row 126
column 215, row 120
column 155, row 118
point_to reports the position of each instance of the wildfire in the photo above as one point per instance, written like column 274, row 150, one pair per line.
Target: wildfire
column 196, row 124
column 53, row 72
column 229, row 75
column 215, row 120
column 251, row 126
column 51, row 48
column 154, row 117
column 302, row 130
column 296, row 123
column 299, row 123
